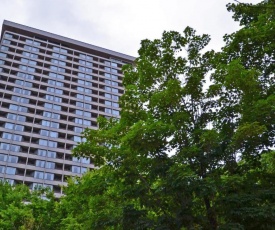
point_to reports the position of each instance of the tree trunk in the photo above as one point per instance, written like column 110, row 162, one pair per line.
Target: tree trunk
column 212, row 219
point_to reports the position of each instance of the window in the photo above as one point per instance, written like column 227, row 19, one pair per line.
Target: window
column 82, row 56
column 82, row 121
column 34, row 49
column 78, row 130
column 19, row 82
column 52, row 106
column 44, row 164
column 108, row 82
column 7, row 35
column 3, row 157
column 61, row 50
column 10, row 170
column 9, row 147
column 37, row 186
column 7, row 136
column 57, row 62
column 29, row 41
column 56, row 55
column 45, row 153
column 3, row 55
column 2, row 170
column 27, row 68
column 89, row 77
column 20, row 99
column 85, row 57
column 27, row 61
column 78, row 121
column 89, row 64
column 114, row 77
column 55, row 68
column 25, row 75
column 81, row 89
column 15, row 117
column 114, row 83
column 114, row 70
column 88, row 90
column 18, row 108
column 38, row 175
column 53, row 90
column 79, row 112
column 114, row 64
column 107, row 75
column 13, row 137
column 107, row 88
column 22, row 91
column 87, row 98
column 77, row 139
column 58, row 76
column 6, row 42
column 12, row 159
column 85, row 63
column 83, row 105
column 109, row 103
column 50, row 124
column 85, row 160
column 107, row 95
column 86, row 114
column 76, row 169
column 4, row 48
column 39, row 163
column 80, row 96
column 48, row 176
column 115, row 104
column 50, row 165
column 48, row 143
column 51, row 115
column 114, row 90
column 53, row 98
column 86, row 122
column 116, row 112
column 14, row 127
column 48, row 133
column 107, row 110
column 83, row 170
column 57, row 83
column 81, row 75
column 81, row 68
column 27, row 54
column 42, row 175
column 82, row 62
column 107, row 63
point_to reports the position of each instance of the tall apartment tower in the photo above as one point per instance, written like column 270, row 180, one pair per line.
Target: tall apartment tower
column 51, row 89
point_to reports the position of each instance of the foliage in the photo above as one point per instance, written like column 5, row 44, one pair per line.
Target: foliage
column 187, row 155
column 25, row 210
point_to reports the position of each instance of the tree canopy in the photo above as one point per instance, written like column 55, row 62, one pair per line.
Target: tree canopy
column 186, row 154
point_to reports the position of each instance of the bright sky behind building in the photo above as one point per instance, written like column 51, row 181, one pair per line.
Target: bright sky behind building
column 120, row 25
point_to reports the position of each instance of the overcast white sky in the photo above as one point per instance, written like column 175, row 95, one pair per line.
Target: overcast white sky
column 120, row 25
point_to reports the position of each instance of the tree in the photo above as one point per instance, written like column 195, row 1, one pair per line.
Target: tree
column 25, row 210
column 183, row 155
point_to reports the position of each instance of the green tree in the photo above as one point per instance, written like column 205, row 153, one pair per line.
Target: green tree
column 184, row 155
column 25, row 210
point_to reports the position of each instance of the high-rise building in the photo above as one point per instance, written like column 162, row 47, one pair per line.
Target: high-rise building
column 51, row 88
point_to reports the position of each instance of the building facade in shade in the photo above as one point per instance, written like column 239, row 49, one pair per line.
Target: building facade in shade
column 51, row 89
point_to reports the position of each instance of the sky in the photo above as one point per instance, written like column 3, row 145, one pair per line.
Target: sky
column 120, row 25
